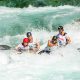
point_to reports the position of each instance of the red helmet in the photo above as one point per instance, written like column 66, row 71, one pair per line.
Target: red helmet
column 25, row 40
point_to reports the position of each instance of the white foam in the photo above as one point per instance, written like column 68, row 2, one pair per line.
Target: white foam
column 4, row 59
column 4, row 10
column 29, row 66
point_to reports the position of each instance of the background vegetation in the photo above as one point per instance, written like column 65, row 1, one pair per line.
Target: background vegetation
column 38, row 3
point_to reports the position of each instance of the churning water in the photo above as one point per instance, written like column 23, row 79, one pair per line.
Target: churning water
column 43, row 23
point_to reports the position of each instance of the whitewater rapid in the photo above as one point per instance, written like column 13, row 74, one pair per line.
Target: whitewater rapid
column 43, row 23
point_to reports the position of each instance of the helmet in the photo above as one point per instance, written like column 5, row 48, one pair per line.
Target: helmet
column 60, row 27
column 25, row 40
column 29, row 34
column 54, row 38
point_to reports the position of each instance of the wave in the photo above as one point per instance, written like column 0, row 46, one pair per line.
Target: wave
column 43, row 23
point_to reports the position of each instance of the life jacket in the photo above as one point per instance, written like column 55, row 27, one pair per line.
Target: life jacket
column 48, row 48
column 32, row 45
column 54, row 43
column 21, row 47
column 62, row 40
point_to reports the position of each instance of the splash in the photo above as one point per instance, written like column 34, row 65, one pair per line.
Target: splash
column 43, row 23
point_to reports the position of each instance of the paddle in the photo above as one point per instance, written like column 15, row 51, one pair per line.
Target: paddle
column 5, row 47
